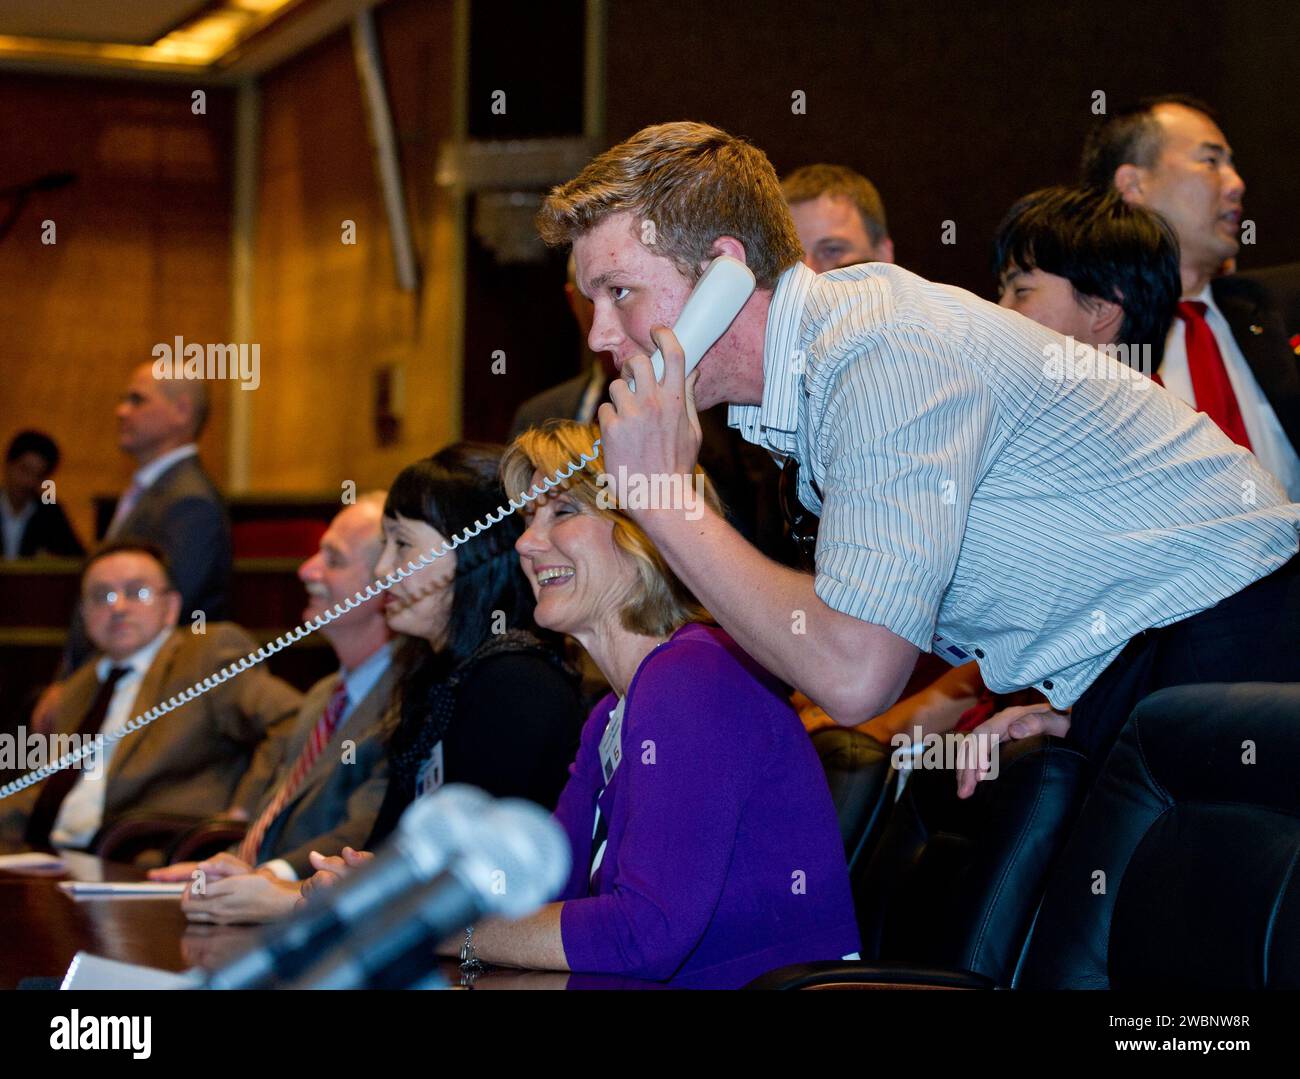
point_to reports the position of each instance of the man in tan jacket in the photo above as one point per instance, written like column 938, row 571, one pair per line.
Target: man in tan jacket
column 210, row 755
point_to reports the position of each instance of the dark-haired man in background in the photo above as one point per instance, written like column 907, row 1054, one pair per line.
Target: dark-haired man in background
column 30, row 525
column 1087, row 264
column 1229, row 354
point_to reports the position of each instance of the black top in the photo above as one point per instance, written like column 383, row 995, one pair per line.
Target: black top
column 48, row 532
column 1261, row 310
column 509, row 719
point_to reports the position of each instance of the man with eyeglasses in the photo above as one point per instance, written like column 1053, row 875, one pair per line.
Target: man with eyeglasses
column 212, row 755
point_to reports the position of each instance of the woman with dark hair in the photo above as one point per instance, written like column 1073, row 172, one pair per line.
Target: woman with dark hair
column 484, row 700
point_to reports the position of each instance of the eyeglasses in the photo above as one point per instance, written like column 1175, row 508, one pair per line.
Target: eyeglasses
column 802, row 523
column 141, row 595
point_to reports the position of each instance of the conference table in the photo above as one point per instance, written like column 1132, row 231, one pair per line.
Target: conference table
column 42, row 928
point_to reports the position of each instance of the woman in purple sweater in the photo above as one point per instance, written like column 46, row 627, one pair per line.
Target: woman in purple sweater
column 705, row 844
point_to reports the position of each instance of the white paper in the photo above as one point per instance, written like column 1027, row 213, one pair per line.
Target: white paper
column 93, row 972
column 31, row 860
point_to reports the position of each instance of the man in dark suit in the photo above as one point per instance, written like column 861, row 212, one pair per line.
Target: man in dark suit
column 576, row 398
column 1282, row 284
column 322, row 799
column 1228, row 353
column 30, row 522
column 212, row 754
column 1261, row 309
column 171, row 500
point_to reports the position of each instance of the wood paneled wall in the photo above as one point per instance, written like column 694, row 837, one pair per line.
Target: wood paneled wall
column 141, row 255
column 327, row 313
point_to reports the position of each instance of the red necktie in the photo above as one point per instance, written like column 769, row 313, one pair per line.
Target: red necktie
column 320, row 736
column 1210, row 385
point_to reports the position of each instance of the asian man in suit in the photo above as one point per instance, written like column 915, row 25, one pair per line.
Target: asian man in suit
column 210, row 755
column 1228, row 352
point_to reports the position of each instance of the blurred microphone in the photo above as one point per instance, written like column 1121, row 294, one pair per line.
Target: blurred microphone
column 431, row 830
column 517, row 859
column 49, row 182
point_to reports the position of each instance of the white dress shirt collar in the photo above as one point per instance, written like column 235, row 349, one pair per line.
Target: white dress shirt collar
column 138, row 661
column 147, row 475
column 361, row 679
column 772, row 424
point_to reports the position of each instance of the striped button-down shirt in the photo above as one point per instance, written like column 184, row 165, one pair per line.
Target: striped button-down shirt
column 980, row 479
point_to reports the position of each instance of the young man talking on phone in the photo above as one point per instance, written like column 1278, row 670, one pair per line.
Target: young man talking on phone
column 1069, row 525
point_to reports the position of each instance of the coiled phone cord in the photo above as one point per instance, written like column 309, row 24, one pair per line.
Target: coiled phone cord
column 269, row 649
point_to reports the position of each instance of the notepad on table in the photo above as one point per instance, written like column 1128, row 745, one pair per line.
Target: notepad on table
column 31, row 860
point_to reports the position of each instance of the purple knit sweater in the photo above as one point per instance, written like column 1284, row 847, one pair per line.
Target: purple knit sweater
column 724, row 858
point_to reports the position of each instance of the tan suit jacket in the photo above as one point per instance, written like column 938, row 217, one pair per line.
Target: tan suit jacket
column 211, row 753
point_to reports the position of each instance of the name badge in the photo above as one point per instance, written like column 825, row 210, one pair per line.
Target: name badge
column 430, row 776
column 611, row 744
column 945, row 649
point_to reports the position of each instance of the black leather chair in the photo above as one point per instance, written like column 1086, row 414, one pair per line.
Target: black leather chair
column 148, row 839
column 204, row 840
column 863, row 787
column 141, row 837
column 954, row 884
column 1183, row 868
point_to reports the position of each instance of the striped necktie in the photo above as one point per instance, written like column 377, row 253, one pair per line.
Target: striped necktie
column 320, row 736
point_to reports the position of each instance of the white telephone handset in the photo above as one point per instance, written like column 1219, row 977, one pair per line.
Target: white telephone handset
column 713, row 305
